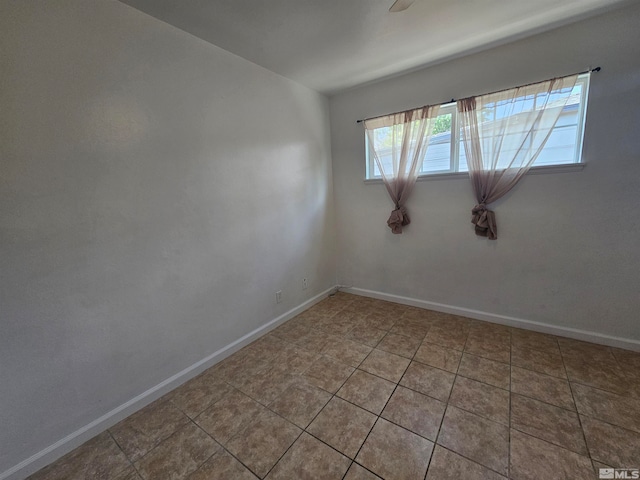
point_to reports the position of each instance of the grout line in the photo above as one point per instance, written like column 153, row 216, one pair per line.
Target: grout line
column 584, row 436
column 120, row 448
column 510, row 394
column 446, row 406
column 475, row 462
column 285, row 452
column 210, row 456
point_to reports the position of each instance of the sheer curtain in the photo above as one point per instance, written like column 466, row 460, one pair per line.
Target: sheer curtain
column 399, row 144
column 503, row 133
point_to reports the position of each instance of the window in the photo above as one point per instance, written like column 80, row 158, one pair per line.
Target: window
column 446, row 153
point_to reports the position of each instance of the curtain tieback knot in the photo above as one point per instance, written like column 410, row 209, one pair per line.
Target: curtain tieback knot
column 479, row 213
column 399, row 218
column 485, row 221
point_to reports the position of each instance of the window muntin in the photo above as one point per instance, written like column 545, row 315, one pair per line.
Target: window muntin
column 446, row 152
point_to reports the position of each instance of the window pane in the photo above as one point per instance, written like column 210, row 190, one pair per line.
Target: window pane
column 438, row 157
column 462, row 158
column 563, row 142
column 382, row 143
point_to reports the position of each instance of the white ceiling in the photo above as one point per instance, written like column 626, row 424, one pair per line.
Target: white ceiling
column 332, row 45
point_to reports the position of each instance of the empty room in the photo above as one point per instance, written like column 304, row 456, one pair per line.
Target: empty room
column 319, row 239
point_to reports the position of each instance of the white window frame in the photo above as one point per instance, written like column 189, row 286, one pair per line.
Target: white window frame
column 453, row 171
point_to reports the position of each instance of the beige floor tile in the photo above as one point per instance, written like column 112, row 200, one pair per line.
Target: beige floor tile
column 261, row 444
column 347, row 351
column 609, row 407
column 547, row 422
column 447, row 465
column 362, row 308
column 485, row 370
column 266, row 348
column 309, row 458
column 394, row 453
column 324, row 323
column 498, row 334
column 386, row 365
column 497, row 342
column 447, row 337
column 328, row 374
column 431, row 381
column 538, row 361
column 597, row 374
column 178, row 456
column 350, row 315
column 610, row 444
column 290, row 331
column 238, row 367
column 343, row 426
column 535, row 459
column 314, row 341
column 370, row 336
column 418, row 317
column 328, row 306
column 357, row 472
column 439, row 357
column 487, row 348
column 410, row 330
column 391, row 308
column 336, row 325
column 626, row 357
column 534, row 340
column 632, row 374
column 416, row 412
column 300, row 403
column 447, row 321
column 476, row 438
column 145, row 429
column 378, row 320
column 306, row 319
column 294, row 359
column 585, row 351
column 267, row 385
column 222, row 466
column 196, row 395
column 367, row 391
column 417, row 313
column 239, row 360
column 229, row 416
column 128, row 474
column 484, row 400
column 399, row 344
column 543, row 387
column 100, row 457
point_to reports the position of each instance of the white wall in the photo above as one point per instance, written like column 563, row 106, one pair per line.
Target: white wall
column 568, row 247
column 155, row 192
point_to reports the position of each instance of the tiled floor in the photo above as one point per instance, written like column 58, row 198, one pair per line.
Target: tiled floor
column 356, row 388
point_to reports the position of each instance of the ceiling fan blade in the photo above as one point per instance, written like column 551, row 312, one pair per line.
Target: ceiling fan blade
column 400, row 5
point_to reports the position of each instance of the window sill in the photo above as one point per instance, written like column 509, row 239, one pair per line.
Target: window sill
column 569, row 167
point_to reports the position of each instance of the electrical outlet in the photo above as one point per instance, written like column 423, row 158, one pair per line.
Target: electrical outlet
column 279, row 296
column 305, row 284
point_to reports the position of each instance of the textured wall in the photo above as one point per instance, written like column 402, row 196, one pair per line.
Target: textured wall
column 155, row 192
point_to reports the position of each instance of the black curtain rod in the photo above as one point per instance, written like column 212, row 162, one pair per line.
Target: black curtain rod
column 597, row 69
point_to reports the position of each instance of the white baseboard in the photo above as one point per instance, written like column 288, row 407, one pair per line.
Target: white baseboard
column 575, row 333
column 63, row 446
